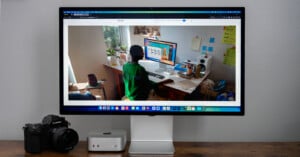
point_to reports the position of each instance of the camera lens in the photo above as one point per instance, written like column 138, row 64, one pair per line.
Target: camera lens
column 64, row 139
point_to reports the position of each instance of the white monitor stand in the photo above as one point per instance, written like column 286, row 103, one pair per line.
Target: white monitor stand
column 151, row 135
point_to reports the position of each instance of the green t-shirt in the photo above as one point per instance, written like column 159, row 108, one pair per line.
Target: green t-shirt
column 137, row 83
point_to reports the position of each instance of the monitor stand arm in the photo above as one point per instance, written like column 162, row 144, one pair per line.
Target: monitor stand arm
column 151, row 135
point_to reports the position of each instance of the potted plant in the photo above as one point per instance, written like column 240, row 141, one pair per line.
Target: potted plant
column 111, row 53
column 123, row 48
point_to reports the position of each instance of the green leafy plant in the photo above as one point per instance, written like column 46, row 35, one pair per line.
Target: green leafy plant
column 123, row 48
column 111, row 52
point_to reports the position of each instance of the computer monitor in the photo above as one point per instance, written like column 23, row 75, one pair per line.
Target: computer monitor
column 160, row 51
column 207, row 78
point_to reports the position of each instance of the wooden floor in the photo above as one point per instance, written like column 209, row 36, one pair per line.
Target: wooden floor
column 183, row 149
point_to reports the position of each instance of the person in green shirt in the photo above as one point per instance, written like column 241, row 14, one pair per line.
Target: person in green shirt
column 135, row 77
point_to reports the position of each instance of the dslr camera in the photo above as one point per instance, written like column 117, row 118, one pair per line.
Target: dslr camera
column 52, row 133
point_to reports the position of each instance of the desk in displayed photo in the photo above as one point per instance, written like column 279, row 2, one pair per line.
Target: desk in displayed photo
column 86, row 87
column 178, row 89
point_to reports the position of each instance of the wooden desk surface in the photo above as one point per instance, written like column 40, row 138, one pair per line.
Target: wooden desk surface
column 182, row 149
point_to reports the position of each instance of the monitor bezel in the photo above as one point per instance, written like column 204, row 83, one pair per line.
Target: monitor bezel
column 64, row 109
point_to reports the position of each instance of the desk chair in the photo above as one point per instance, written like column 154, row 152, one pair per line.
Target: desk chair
column 85, row 87
column 81, row 96
column 99, row 86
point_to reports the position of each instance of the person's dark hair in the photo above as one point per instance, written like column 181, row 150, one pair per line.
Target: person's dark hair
column 136, row 52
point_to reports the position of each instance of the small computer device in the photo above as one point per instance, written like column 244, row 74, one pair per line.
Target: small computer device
column 107, row 140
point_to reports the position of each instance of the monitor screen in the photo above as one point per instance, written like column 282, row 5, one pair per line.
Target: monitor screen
column 203, row 47
column 160, row 51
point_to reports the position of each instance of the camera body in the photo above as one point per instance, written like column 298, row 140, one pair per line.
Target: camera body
column 52, row 133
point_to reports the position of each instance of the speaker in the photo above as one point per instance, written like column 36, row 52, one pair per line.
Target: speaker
column 205, row 64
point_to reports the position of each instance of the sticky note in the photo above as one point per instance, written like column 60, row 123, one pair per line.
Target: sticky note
column 210, row 49
column 229, row 35
column 211, row 40
column 229, row 57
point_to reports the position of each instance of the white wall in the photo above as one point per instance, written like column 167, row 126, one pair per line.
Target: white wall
column 87, row 53
column 183, row 37
column 29, row 72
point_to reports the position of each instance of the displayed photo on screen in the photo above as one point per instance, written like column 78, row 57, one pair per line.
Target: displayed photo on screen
column 113, row 61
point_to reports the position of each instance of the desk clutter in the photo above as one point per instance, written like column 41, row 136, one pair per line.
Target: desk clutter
column 217, row 90
column 194, row 69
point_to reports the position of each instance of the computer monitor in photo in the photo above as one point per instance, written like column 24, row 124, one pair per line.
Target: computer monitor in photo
column 160, row 51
